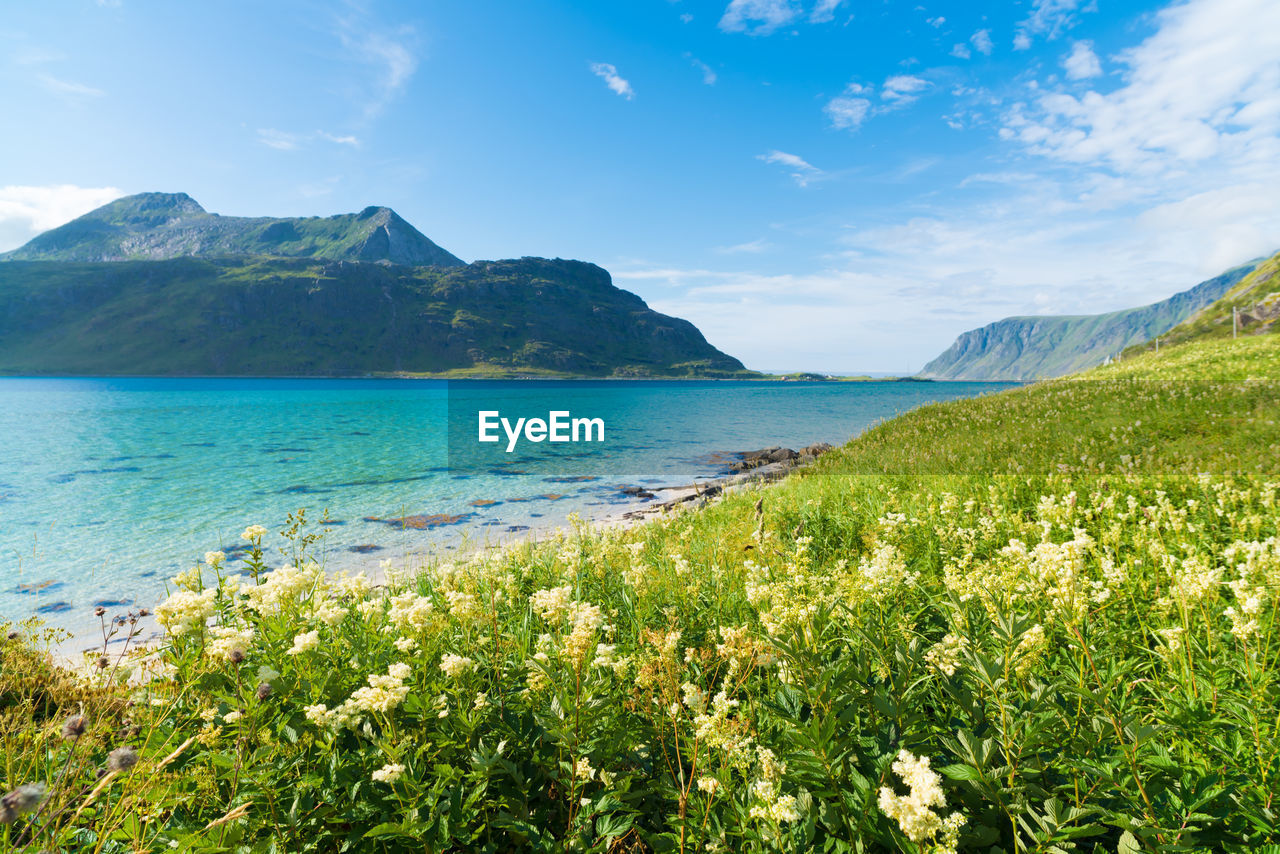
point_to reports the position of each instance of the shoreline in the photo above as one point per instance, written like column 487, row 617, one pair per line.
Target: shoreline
column 71, row 652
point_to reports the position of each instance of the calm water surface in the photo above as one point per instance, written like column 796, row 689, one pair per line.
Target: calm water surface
column 110, row 486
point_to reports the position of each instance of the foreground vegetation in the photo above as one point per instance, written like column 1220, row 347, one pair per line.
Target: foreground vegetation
column 1038, row 621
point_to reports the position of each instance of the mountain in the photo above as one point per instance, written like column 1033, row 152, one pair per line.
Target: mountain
column 158, row 226
column 344, row 295
column 1255, row 301
column 1026, row 348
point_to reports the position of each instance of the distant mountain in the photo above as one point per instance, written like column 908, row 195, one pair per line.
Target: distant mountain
column 1027, row 348
column 1255, row 301
column 289, row 317
column 159, row 226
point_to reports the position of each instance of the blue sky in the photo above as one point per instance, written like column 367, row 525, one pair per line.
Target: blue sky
column 822, row 185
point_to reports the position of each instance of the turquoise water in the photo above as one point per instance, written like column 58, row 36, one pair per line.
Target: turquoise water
column 110, row 486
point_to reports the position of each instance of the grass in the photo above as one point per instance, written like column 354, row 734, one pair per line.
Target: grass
column 1043, row 620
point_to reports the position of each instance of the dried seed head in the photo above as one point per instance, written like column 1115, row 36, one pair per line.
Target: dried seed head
column 236, row 656
column 73, row 727
column 102, row 662
column 20, row 801
column 264, row 690
column 122, row 759
column 14, row 635
column 143, row 612
column 99, row 611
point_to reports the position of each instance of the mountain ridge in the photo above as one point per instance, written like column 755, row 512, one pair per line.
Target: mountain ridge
column 163, row 226
column 1040, row 346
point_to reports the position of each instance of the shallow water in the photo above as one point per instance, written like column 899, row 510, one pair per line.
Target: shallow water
column 110, row 486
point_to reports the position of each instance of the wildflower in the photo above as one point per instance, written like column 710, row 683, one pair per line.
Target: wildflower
column 482, row 701
column 304, row 643
column 552, row 604
column 586, row 619
column 232, row 716
column 406, row 644
column 1028, row 650
column 73, row 727
column 186, row 610
column 22, row 800
column 122, row 759
column 455, row 665
column 317, row 714
column 771, row 804
column 214, row 559
column 944, row 656
column 267, row 674
column 388, row 773
column 253, row 533
column 383, row 693
column 227, row 640
column 354, row 586
column 582, row 769
column 914, row 811
column 709, row 785
column 330, row 613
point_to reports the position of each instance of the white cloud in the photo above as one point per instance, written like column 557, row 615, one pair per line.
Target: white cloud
column 846, row 112
column 708, row 73
column 1082, row 63
column 1205, row 88
column 388, row 52
column 337, row 139
column 960, row 51
column 278, row 139
column 758, row 17
column 686, row 18
column 609, row 74
column 28, row 211
column 69, row 87
column 1050, row 18
column 824, row 10
column 902, row 89
column 753, row 247
column 936, row 22
column 801, row 170
column 982, row 42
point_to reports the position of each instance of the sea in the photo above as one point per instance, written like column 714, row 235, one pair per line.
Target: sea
column 111, row 486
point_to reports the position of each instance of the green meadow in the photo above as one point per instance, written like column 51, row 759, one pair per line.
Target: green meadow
column 1038, row 621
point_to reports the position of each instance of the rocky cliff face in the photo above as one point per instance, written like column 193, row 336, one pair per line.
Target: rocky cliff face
column 1026, row 348
column 160, row 226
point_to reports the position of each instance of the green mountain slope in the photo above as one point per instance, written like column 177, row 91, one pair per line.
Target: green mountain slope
column 1024, row 348
column 1255, row 301
column 156, row 226
column 281, row 316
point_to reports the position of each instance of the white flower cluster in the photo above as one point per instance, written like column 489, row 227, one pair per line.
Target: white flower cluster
column 944, row 656
column 454, row 666
column 885, row 572
column 914, row 811
column 552, row 604
column 383, row 694
column 388, row 773
column 283, row 587
column 770, row 804
column 304, row 642
column 226, row 640
column 411, row 612
column 186, row 610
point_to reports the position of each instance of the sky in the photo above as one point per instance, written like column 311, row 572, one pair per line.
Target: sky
column 829, row 185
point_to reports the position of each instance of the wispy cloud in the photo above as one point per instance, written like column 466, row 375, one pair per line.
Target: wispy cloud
column 387, row 52
column 981, row 41
column 754, row 247
column 69, row 87
column 26, row 211
column 902, row 89
column 758, row 17
column 288, row 141
column 802, row 172
column 708, row 73
column 937, row 22
column 616, row 83
column 824, row 10
column 961, row 51
column 1050, row 18
column 278, row 139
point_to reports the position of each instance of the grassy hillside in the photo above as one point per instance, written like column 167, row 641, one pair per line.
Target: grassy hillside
column 1027, row 348
column 1044, row 620
column 278, row 316
column 1256, row 300
column 157, row 226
